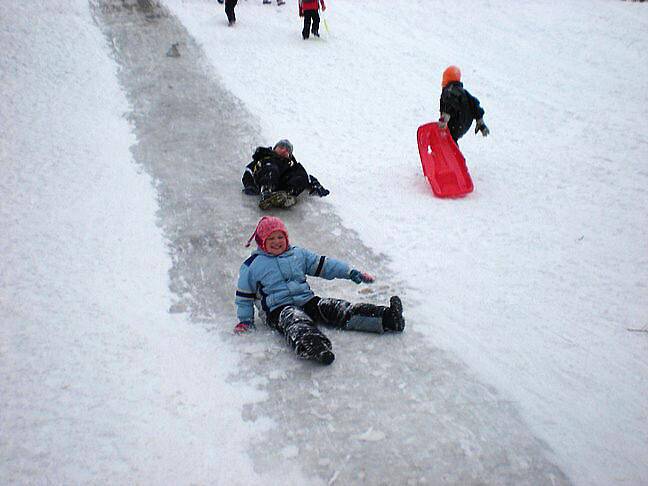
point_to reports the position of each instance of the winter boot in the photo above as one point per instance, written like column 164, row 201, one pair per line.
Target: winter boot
column 315, row 347
column 303, row 336
column 393, row 317
column 266, row 2
column 280, row 2
column 266, row 193
column 277, row 199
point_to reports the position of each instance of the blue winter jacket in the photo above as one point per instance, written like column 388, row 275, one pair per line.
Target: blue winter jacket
column 280, row 280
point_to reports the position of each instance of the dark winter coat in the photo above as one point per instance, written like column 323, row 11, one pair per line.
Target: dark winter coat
column 462, row 107
column 270, row 169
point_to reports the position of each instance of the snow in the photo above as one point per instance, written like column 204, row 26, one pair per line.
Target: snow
column 531, row 282
column 99, row 382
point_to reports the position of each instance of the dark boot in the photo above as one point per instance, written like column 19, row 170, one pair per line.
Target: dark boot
column 277, row 199
column 393, row 317
column 315, row 348
column 303, row 336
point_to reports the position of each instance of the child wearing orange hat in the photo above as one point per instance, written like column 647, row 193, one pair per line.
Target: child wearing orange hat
column 458, row 107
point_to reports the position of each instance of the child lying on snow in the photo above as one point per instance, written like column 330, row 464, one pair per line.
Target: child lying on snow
column 278, row 177
column 276, row 273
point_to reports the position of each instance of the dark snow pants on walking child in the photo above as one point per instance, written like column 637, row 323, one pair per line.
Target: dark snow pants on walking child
column 229, row 11
column 309, row 9
column 276, row 273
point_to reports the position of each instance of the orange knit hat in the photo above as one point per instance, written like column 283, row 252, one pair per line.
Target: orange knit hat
column 450, row 75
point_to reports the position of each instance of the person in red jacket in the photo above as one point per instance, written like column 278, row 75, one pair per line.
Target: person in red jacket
column 309, row 9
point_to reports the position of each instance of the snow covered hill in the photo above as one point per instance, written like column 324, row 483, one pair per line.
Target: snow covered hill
column 120, row 199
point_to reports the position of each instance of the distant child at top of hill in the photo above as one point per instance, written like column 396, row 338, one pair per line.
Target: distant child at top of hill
column 275, row 274
column 309, row 9
column 230, row 5
column 458, row 107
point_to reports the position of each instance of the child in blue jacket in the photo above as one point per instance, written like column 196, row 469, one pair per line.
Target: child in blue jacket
column 275, row 274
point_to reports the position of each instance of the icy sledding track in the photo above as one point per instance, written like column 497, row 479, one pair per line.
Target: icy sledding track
column 391, row 410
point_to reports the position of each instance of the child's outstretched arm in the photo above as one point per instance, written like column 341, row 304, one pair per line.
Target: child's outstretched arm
column 478, row 115
column 330, row 268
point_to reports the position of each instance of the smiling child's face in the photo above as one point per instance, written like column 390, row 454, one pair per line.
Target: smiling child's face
column 276, row 243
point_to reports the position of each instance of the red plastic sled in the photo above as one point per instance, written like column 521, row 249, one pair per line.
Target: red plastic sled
column 443, row 163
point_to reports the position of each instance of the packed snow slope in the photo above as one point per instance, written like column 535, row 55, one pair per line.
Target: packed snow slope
column 536, row 277
column 99, row 384
column 120, row 197
column 191, row 136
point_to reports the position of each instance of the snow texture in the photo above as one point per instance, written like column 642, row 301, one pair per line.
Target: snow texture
column 123, row 229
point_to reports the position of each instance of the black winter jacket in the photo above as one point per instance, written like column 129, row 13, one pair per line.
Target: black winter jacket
column 268, row 167
column 462, row 107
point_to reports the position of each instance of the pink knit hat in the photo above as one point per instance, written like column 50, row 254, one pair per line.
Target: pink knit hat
column 265, row 227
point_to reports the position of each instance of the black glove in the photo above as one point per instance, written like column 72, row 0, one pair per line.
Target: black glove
column 320, row 191
column 480, row 126
column 317, row 188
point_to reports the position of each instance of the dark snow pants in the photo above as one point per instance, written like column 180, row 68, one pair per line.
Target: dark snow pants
column 311, row 16
column 229, row 10
column 298, row 323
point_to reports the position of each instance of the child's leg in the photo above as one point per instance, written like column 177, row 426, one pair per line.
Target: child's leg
column 353, row 317
column 295, row 183
column 307, row 23
column 362, row 317
column 316, row 22
column 303, row 336
column 268, row 176
column 229, row 10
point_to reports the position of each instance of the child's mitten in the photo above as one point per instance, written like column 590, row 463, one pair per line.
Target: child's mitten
column 480, row 126
column 443, row 121
column 358, row 277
